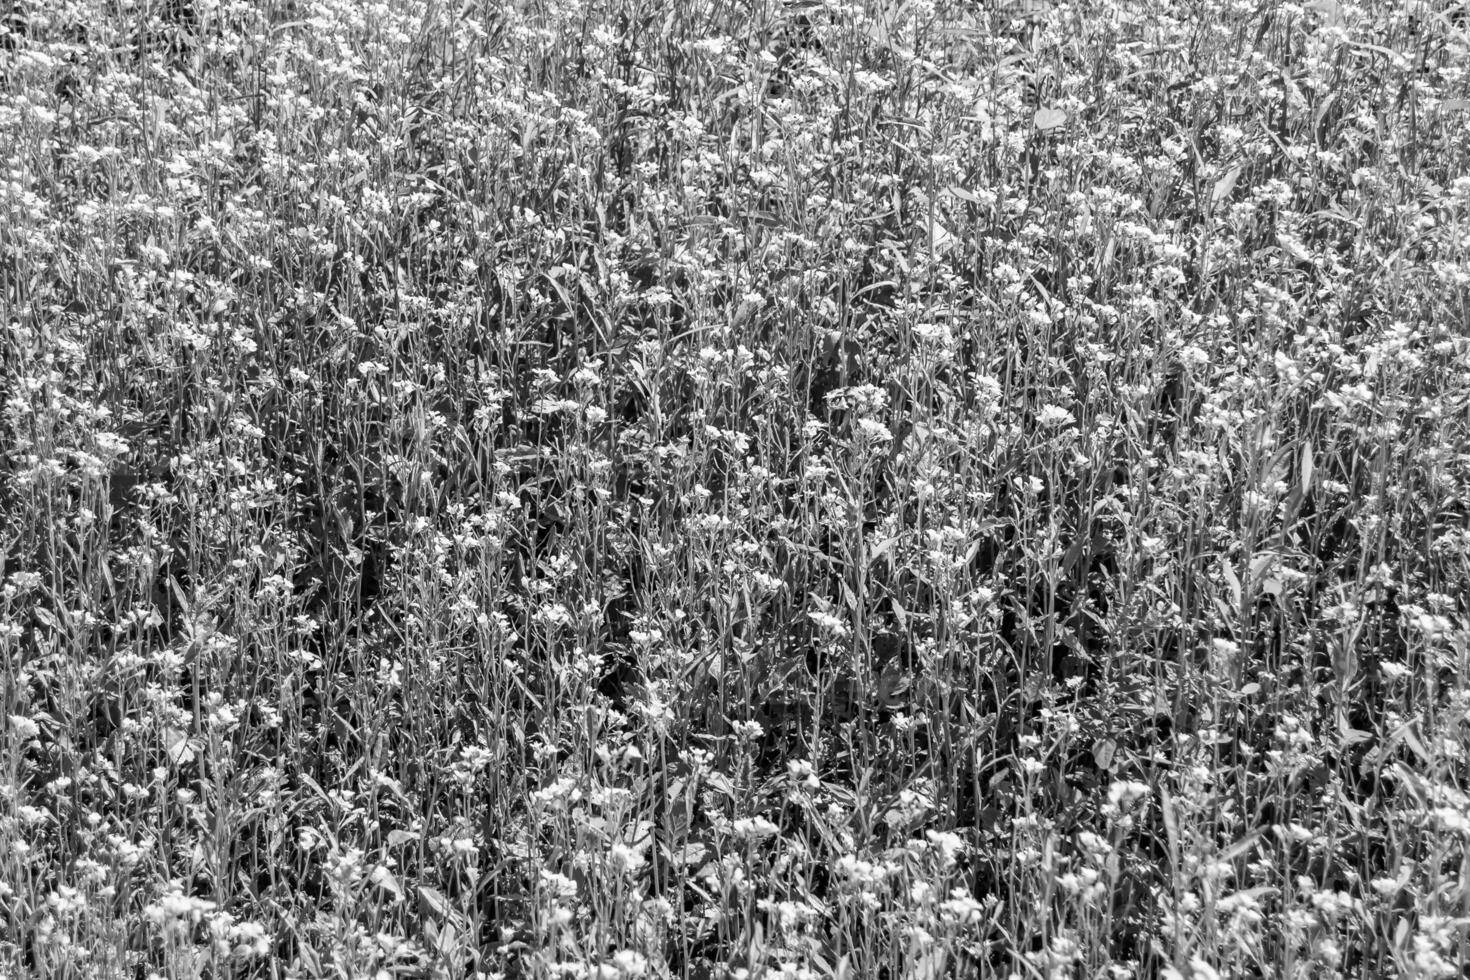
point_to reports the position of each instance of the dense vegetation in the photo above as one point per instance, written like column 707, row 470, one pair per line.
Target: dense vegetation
column 734, row 489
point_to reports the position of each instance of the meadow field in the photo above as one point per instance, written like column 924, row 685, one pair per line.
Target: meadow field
column 733, row 489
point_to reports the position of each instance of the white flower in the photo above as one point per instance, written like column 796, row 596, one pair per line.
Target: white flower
column 869, row 430
column 559, row 885
column 754, row 828
column 629, row 963
column 1125, row 792
column 550, row 406
column 712, row 47
column 962, row 908
column 828, row 622
column 1054, row 417
column 624, row 858
column 803, row 774
column 946, row 844
column 249, row 939
column 174, row 909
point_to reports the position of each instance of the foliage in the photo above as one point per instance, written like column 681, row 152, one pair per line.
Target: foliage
column 708, row 489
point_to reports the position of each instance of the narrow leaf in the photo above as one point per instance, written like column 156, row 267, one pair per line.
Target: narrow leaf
column 1225, row 185
column 1233, row 581
column 433, row 906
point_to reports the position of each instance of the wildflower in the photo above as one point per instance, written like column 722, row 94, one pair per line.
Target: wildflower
column 1451, row 820
column 24, row 582
column 1387, row 887
column 754, row 828
column 1394, row 670
column 859, row 872
column 24, row 728
column 790, row 914
column 1198, row 970
column 872, row 432
column 473, row 760
column 550, row 406
column 933, row 333
column 624, row 858
column 712, row 47
column 748, row 731
column 1125, row 792
column 345, row 867
column 961, row 908
column 624, row 963
column 463, row 847
column 249, row 939
column 560, row 886
column 828, row 622
column 176, row 912
column 948, row 846
column 1054, row 417
column 801, row 773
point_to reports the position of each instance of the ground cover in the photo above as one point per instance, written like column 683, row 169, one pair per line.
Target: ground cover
column 734, row 489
